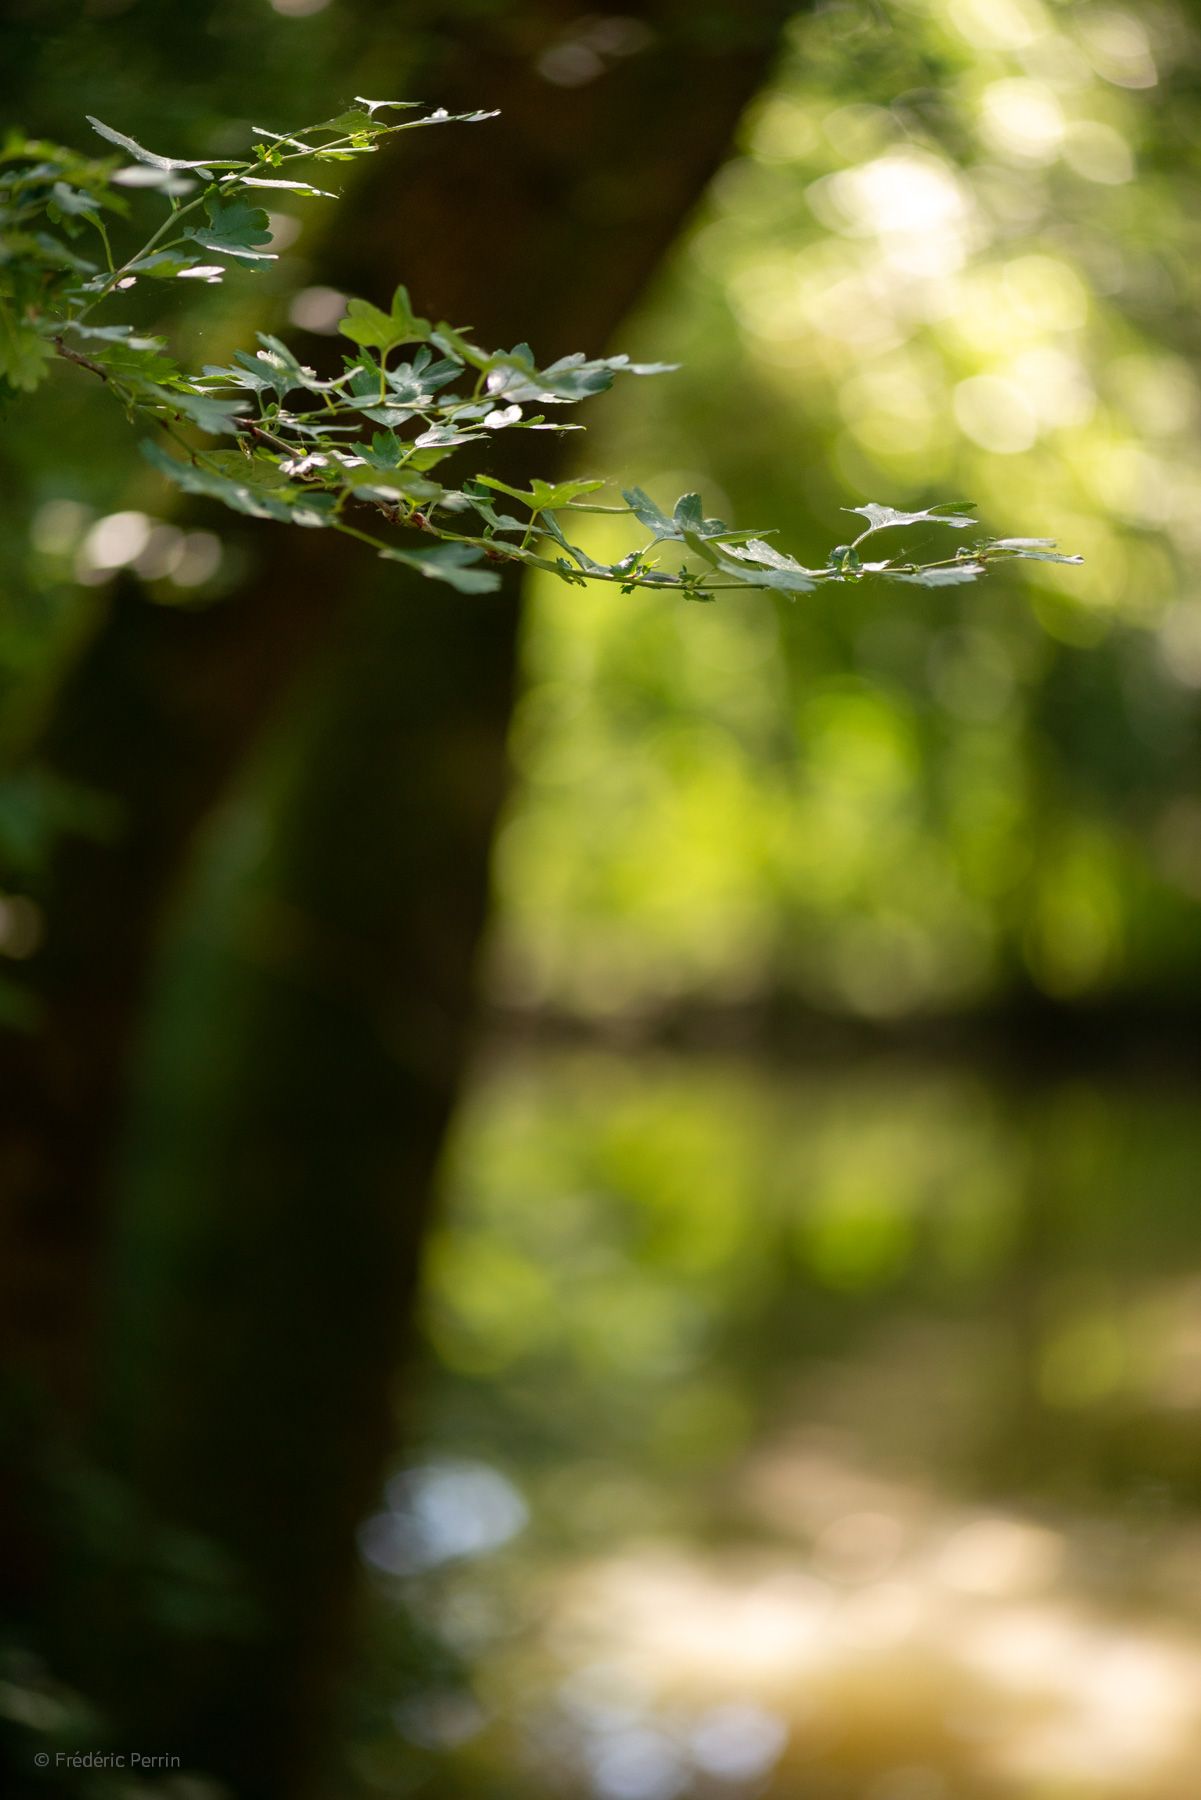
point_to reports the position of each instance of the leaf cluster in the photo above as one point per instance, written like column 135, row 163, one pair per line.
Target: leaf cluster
column 369, row 446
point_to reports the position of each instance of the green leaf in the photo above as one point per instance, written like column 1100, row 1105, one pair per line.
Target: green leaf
column 70, row 200
column 1031, row 549
column 167, row 265
column 502, row 487
column 879, row 518
column 440, row 116
column 292, row 187
column 24, row 356
column 451, row 563
column 689, row 518
column 375, row 330
column 543, row 496
column 128, row 358
column 476, row 493
column 512, row 375
column 415, row 383
column 257, row 470
column 450, row 340
column 550, row 525
column 786, row 573
column 650, row 515
column 374, row 106
column 395, row 484
column 277, row 365
column 444, row 437
column 142, row 155
column 385, row 451
column 354, row 122
column 235, row 229
column 288, row 505
column 215, row 416
column 427, row 459
column 547, row 498
column 953, row 575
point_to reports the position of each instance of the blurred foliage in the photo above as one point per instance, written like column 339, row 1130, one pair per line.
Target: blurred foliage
column 950, row 259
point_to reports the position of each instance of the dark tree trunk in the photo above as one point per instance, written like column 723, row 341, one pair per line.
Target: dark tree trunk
column 295, row 1053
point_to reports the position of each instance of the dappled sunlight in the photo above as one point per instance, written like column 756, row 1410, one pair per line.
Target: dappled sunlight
column 968, row 292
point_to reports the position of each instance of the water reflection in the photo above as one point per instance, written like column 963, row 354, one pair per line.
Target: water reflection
column 855, row 1420
column 439, row 1512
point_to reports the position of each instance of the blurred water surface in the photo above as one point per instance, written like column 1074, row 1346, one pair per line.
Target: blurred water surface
column 809, row 1433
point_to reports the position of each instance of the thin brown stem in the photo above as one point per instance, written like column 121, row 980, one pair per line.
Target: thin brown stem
column 77, row 356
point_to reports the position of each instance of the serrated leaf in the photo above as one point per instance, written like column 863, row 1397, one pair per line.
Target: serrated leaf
column 440, row 116
column 881, row 517
column 571, row 378
column 650, row 515
column 256, row 470
column 152, row 157
column 951, row 576
column 546, row 497
column 292, row 187
column 385, row 451
column 375, row 330
column 374, row 106
column 503, row 487
column 391, row 416
column 450, row 340
column 689, row 517
column 1044, row 556
column 551, row 526
column 1032, row 549
column 278, row 367
column 24, row 356
column 476, row 494
column 287, row 505
column 792, row 576
column 354, row 122
column 403, row 483
column 414, row 383
column 121, row 353
column 235, row 228
column 451, row 563
column 444, row 437
column 215, row 416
